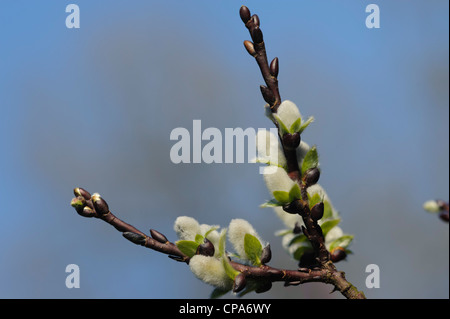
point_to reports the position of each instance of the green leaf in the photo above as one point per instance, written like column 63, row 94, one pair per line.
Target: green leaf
column 281, row 125
column 327, row 210
column 187, row 247
column 311, row 160
column 281, row 197
column 298, row 239
column 199, row 239
column 295, row 127
column 328, row 225
column 295, row 193
column 283, row 232
column 222, row 241
column 305, row 124
column 343, row 242
column 271, row 203
column 314, row 199
column 300, row 251
column 253, row 249
column 229, row 270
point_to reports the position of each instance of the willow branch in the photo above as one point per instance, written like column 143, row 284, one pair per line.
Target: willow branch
column 289, row 143
column 270, row 73
column 96, row 207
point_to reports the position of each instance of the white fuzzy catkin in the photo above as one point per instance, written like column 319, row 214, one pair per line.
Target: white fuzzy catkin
column 289, row 220
column 334, row 233
column 236, row 233
column 291, row 249
column 431, row 206
column 269, row 148
column 287, row 113
column 277, row 179
column 210, row 270
column 186, row 228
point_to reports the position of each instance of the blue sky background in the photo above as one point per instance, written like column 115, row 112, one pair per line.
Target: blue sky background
column 94, row 107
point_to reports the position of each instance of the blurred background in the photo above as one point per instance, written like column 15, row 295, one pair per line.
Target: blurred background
column 94, row 107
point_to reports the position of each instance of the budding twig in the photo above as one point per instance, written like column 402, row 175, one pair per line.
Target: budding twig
column 289, row 143
column 159, row 242
column 101, row 211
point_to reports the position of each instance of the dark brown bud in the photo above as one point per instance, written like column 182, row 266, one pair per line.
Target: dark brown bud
column 263, row 287
column 291, row 141
column 274, row 67
column 307, row 260
column 294, row 207
column 239, row 282
column 206, row 249
column 156, row 235
column 266, row 255
column 82, row 192
column 87, row 212
column 134, row 238
column 244, row 12
column 249, row 47
column 255, row 19
column 337, row 254
column 442, row 205
column 444, row 216
column 90, row 204
column 100, row 205
column 317, row 211
column 311, row 176
column 257, row 35
column 267, row 94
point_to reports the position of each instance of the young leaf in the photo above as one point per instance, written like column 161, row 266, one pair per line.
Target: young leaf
column 311, row 159
column 327, row 211
column 271, row 203
column 343, row 242
column 313, row 200
column 230, row 271
column 222, row 241
column 304, row 125
column 187, row 247
column 298, row 239
column 199, row 239
column 294, row 193
column 295, row 127
column 281, row 196
column 282, row 126
column 211, row 230
column 301, row 250
column 253, row 249
column 283, row 232
column 328, row 225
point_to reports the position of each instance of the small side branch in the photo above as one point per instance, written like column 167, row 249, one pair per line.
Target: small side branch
column 96, row 207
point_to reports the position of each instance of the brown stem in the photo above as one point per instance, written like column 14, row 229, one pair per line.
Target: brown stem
column 258, row 50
